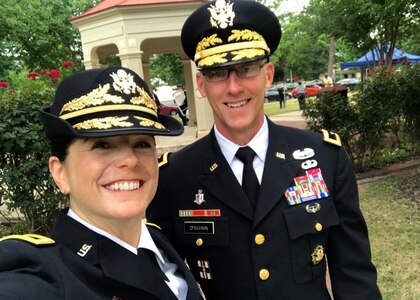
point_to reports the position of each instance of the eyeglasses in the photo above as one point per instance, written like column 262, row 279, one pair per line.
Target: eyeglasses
column 242, row 71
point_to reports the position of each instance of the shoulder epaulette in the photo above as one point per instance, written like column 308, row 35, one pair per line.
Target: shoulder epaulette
column 34, row 239
column 163, row 159
column 331, row 137
column 153, row 225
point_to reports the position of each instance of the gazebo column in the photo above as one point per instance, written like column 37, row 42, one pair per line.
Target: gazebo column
column 132, row 61
column 199, row 109
column 91, row 64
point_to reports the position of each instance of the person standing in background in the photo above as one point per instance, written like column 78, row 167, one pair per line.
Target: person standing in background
column 300, row 93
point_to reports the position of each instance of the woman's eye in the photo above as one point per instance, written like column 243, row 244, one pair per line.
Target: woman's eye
column 143, row 145
column 101, row 145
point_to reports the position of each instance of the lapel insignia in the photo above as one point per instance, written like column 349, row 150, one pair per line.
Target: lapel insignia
column 309, row 164
column 317, row 255
column 199, row 197
column 84, row 250
column 280, row 155
column 308, row 187
column 204, row 266
column 213, row 167
column 303, row 154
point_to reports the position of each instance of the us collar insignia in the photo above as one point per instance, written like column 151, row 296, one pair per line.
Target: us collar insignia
column 317, row 255
column 280, row 155
column 308, row 187
column 303, row 154
column 199, row 197
column 222, row 14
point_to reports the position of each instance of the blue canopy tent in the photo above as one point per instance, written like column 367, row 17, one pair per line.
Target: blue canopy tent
column 368, row 60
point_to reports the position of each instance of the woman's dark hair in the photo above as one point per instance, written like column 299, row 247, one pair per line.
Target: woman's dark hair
column 60, row 146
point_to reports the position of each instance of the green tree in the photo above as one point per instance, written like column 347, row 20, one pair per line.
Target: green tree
column 367, row 24
column 37, row 34
column 166, row 69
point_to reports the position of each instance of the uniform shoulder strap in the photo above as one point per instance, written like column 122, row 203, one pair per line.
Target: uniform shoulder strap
column 31, row 238
column 331, row 137
column 163, row 159
column 153, row 225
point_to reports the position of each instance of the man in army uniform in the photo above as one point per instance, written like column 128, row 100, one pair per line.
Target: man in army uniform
column 298, row 206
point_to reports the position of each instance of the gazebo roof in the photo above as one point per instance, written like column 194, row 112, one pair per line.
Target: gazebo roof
column 109, row 4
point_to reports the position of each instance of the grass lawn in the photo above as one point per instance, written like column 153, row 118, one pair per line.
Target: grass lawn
column 391, row 208
column 273, row 108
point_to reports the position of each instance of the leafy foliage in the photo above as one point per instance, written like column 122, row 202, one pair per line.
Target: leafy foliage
column 38, row 33
column 167, row 69
column 385, row 112
column 26, row 186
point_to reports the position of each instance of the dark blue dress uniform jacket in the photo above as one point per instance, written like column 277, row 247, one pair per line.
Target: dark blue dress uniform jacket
column 267, row 253
column 106, row 271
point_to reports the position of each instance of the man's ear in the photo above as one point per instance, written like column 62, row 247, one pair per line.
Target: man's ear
column 199, row 77
column 269, row 74
column 57, row 170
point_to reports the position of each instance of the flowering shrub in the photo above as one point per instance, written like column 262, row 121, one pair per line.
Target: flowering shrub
column 26, row 185
column 385, row 113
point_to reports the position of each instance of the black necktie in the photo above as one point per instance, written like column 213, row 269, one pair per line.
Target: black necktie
column 152, row 257
column 250, row 182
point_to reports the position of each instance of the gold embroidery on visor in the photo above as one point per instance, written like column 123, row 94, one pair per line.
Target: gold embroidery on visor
column 103, row 123
column 148, row 123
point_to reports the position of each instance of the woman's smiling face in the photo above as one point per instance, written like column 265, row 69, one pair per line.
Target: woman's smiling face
column 108, row 179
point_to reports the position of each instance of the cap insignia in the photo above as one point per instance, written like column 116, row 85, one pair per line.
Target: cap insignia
column 123, row 82
column 103, row 123
column 222, row 14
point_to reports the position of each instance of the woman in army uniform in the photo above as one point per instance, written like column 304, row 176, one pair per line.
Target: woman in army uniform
column 101, row 126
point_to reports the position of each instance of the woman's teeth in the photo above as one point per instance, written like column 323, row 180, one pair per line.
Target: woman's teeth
column 123, row 186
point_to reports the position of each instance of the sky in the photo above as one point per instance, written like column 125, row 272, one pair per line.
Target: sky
column 293, row 5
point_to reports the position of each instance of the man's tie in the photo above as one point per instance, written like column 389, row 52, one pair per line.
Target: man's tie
column 250, row 182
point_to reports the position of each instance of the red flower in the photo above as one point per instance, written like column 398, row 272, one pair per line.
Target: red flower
column 380, row 63
column 33, row 75
column 11, row 90
column 44, row 71
column 295, row 78
column 3, row 84
column 383, row 74
column 407, row 62
column 53, row 73
column 68, row 64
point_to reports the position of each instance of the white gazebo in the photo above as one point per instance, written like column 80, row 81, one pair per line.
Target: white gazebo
column 134, row 30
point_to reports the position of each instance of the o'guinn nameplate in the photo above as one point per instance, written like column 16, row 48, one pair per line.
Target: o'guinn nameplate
column 198, row 227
